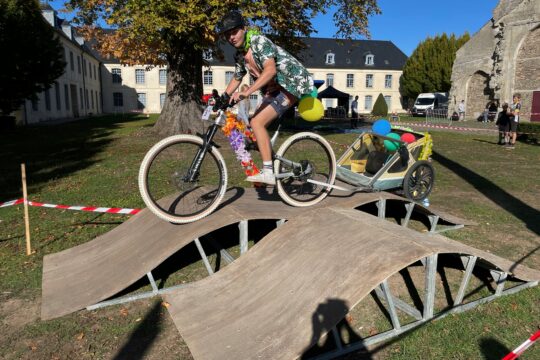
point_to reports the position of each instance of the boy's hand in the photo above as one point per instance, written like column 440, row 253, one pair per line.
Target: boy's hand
column 237, row 96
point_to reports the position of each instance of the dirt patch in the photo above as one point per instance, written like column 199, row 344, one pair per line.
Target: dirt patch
column 16, row 313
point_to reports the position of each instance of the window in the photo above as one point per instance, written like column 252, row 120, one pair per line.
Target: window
column 66, row 96
column 207, row 55
column 388, row 100
column 57, row 93
column 330, row 58
column 367, row 102
column 141, row 101
column 35, row 104
column 330, row 79
column 228, row 76
column 47, row 100
column 253, row 100
column 92, row 98
column 86, row 98
column 161, row 100
column 251, row 80
column 116, row 76
column 79, row 64
column 388, row 81
column 350, row 80
column 139, row 76
column 84, row 67
column 118, row 99
column 370, row 59
column 162, row 77
column 95, row 72
column 369, row 80
column 71, row 62
column 81, row 96
column 208, row 78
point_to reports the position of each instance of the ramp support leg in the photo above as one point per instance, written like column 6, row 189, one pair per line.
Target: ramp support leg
column 280, row 222
column 500, row 278
column 152, row 282
column 391, row 307
column 468, row 262
column 337, row 338
column 409, row 207
column 243, row 227
column 433, row 220
column 381, row 205
column 429, row 300
column 203, row 256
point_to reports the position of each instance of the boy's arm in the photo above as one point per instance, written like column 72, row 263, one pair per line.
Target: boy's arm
column 268, row 73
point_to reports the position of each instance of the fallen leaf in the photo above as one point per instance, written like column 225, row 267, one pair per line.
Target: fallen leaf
column 124, row 312
column 138, row 319
column 80, row 336
column 166, row 304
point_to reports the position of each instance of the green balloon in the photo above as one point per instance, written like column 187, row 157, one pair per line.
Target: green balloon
column 392, row 145
column 312, row 94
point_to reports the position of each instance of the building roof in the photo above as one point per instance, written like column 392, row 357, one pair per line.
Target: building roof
column 348, row 54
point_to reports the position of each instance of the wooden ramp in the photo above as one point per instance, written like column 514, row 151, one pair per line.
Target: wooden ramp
column 92, row 272
column 266, row 304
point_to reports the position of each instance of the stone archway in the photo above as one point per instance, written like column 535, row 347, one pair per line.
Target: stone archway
column 478, row 94
column 527, row 76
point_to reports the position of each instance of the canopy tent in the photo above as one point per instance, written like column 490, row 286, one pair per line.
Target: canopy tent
column 332, row 93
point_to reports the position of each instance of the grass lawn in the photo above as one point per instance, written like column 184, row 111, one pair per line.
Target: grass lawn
column 95, row 162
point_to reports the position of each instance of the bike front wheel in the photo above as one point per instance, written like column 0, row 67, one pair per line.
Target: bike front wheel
column 165, row 184
column 305, row 165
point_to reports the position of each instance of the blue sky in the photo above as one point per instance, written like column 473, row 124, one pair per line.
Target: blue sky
column 406, row 23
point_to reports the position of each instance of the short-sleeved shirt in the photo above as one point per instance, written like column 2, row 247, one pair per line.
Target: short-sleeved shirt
column 516, row 108
column 291, row 74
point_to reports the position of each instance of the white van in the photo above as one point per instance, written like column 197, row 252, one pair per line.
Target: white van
column 427, row 101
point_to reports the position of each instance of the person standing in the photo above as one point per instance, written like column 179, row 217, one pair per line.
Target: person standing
column 244, row 106
column 461, row 110
column 354, row 113
column 515, row 109
column 503, row 123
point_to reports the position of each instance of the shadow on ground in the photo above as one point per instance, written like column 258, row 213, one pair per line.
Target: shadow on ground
column 53, row 152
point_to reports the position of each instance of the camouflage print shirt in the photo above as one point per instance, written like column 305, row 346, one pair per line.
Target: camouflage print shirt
column 291, row 74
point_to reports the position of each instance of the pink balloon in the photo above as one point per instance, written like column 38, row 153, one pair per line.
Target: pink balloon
column 408, row 138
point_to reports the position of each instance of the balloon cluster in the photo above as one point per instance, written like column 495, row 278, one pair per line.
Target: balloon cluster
column 382, row 127
column 310, row 108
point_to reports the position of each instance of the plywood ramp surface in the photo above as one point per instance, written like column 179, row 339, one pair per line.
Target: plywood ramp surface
column 266, row 305
column 86, row 274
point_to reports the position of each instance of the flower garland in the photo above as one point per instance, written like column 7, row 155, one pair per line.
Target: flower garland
column 236, row 131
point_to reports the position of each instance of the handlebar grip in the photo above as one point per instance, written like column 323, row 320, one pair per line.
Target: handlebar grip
column 241, row 97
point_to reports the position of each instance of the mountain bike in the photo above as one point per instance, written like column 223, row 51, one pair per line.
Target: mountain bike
column 183, row 178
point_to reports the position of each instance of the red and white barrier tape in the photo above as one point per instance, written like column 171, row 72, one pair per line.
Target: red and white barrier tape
column 11, row 203
column 445, row 127
column 521, row 348
column 79, row 208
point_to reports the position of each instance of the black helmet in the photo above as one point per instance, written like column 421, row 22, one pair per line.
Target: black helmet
column 231, row 21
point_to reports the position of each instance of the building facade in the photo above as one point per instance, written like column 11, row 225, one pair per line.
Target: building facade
column 77, row 93
column 501, row 59
column 363, row 68
column 92, row 84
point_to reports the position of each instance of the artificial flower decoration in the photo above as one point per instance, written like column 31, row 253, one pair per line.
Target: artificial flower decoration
column 236, row 131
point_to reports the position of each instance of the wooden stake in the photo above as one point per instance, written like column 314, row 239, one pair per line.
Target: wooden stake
column 26, row 217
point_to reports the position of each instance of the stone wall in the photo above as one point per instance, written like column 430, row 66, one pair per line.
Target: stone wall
column 507, row 50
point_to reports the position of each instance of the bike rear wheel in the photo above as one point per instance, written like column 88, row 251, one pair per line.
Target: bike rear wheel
column 314, row 166
column 165, row 189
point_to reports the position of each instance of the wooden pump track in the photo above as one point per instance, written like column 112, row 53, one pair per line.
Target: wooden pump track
column 263, row 305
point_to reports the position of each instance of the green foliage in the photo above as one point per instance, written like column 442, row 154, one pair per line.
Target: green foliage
column 35, row 54
column 429, row 68
column 380, row 108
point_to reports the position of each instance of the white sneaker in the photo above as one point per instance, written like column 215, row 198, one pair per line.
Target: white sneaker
column 266, row 178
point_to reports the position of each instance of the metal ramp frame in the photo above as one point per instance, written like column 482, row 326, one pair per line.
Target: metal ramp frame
column 381, row 204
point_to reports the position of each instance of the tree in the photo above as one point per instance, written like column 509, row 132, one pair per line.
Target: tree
column 381, row 107
column 429, row 68
column 34, row 55
column 176, row 32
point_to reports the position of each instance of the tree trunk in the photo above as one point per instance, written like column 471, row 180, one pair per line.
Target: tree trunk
column 182, row 110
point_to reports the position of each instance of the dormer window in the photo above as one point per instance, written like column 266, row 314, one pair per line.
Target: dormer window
column 330, row 58
column 370, row 59
column 207, row 55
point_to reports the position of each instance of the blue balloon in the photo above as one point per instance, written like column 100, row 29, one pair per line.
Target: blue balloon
column 381, row 127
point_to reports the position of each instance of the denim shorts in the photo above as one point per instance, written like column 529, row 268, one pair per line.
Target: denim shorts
column 278, row 100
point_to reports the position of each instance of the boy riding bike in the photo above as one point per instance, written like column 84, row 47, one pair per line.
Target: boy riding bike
column 280, row 77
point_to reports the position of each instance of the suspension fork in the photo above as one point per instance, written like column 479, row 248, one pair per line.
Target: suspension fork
column 194, row 168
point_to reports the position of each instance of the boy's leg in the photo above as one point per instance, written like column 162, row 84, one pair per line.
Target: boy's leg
column 259, row 123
